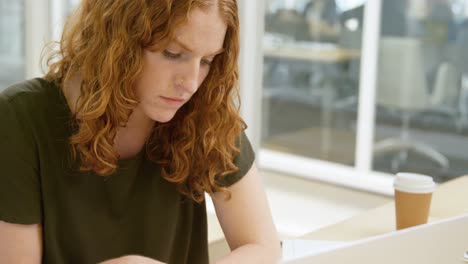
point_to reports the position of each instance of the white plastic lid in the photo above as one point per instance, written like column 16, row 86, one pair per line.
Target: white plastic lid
column 413, row 183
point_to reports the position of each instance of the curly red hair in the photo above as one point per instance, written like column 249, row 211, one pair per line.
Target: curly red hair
column 104, row 41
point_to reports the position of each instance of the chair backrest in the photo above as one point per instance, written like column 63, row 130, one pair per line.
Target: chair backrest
column 401, row 80
column 447, row 86
column 461, row 58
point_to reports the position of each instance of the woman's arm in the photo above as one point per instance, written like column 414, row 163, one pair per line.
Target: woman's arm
column 247, row 223
column 131, row 259
column 20, row 243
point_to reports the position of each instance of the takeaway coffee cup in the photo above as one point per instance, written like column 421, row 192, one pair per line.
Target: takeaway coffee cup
column 413, row 194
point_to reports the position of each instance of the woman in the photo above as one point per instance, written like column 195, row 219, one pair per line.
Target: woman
column 108, row 158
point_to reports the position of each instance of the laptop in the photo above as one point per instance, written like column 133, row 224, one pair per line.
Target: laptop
column 441, row 242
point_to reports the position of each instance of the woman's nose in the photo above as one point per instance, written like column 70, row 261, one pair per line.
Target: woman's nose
column 191, row 77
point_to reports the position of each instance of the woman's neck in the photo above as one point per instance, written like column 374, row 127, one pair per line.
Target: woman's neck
column 130, row 139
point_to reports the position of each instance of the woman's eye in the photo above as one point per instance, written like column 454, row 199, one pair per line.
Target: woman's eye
column 206, row 62
column 171, row 55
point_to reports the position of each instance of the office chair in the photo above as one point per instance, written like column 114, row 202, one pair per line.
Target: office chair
column 402, row 87
column 460, row 59
column 446, row 90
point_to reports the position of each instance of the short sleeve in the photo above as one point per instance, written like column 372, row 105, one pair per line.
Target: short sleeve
column 244, row 161
column 20, row 195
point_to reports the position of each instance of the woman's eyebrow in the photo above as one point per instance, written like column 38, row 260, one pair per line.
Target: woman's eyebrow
column 187, row 48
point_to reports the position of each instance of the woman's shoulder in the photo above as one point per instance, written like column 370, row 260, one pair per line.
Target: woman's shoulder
column 28, row 100
column 29, row 96
column 25, row 90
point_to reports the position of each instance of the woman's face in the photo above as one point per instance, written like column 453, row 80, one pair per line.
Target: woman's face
column 171, row 76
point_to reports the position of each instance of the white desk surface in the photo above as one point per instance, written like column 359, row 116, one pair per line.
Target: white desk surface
column 450, row 199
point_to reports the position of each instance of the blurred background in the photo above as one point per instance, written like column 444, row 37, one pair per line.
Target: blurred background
column 312, row 75
column 338, row 98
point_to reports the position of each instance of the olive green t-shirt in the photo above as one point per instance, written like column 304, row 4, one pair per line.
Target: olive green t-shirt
column 87, row 218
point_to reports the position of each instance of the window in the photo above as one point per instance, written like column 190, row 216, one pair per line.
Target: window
column 322, row 118
column 311, row 80
column 12, row 54
column 421, row 123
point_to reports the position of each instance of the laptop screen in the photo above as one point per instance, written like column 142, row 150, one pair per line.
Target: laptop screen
column 441, row 242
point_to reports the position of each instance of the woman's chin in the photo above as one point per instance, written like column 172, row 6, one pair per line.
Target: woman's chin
column 164, row 117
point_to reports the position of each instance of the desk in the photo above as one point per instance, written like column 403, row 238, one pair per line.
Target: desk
column 319, row 54
column 450, row 199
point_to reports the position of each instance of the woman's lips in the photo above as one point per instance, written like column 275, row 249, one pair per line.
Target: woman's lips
column 174, row 102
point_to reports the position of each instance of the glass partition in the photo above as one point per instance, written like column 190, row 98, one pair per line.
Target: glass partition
column 311, row 53
column 71, row 5
column 422, row 98
column 12, row 45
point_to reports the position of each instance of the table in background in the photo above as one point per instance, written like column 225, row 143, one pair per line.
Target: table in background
column 449, row 200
